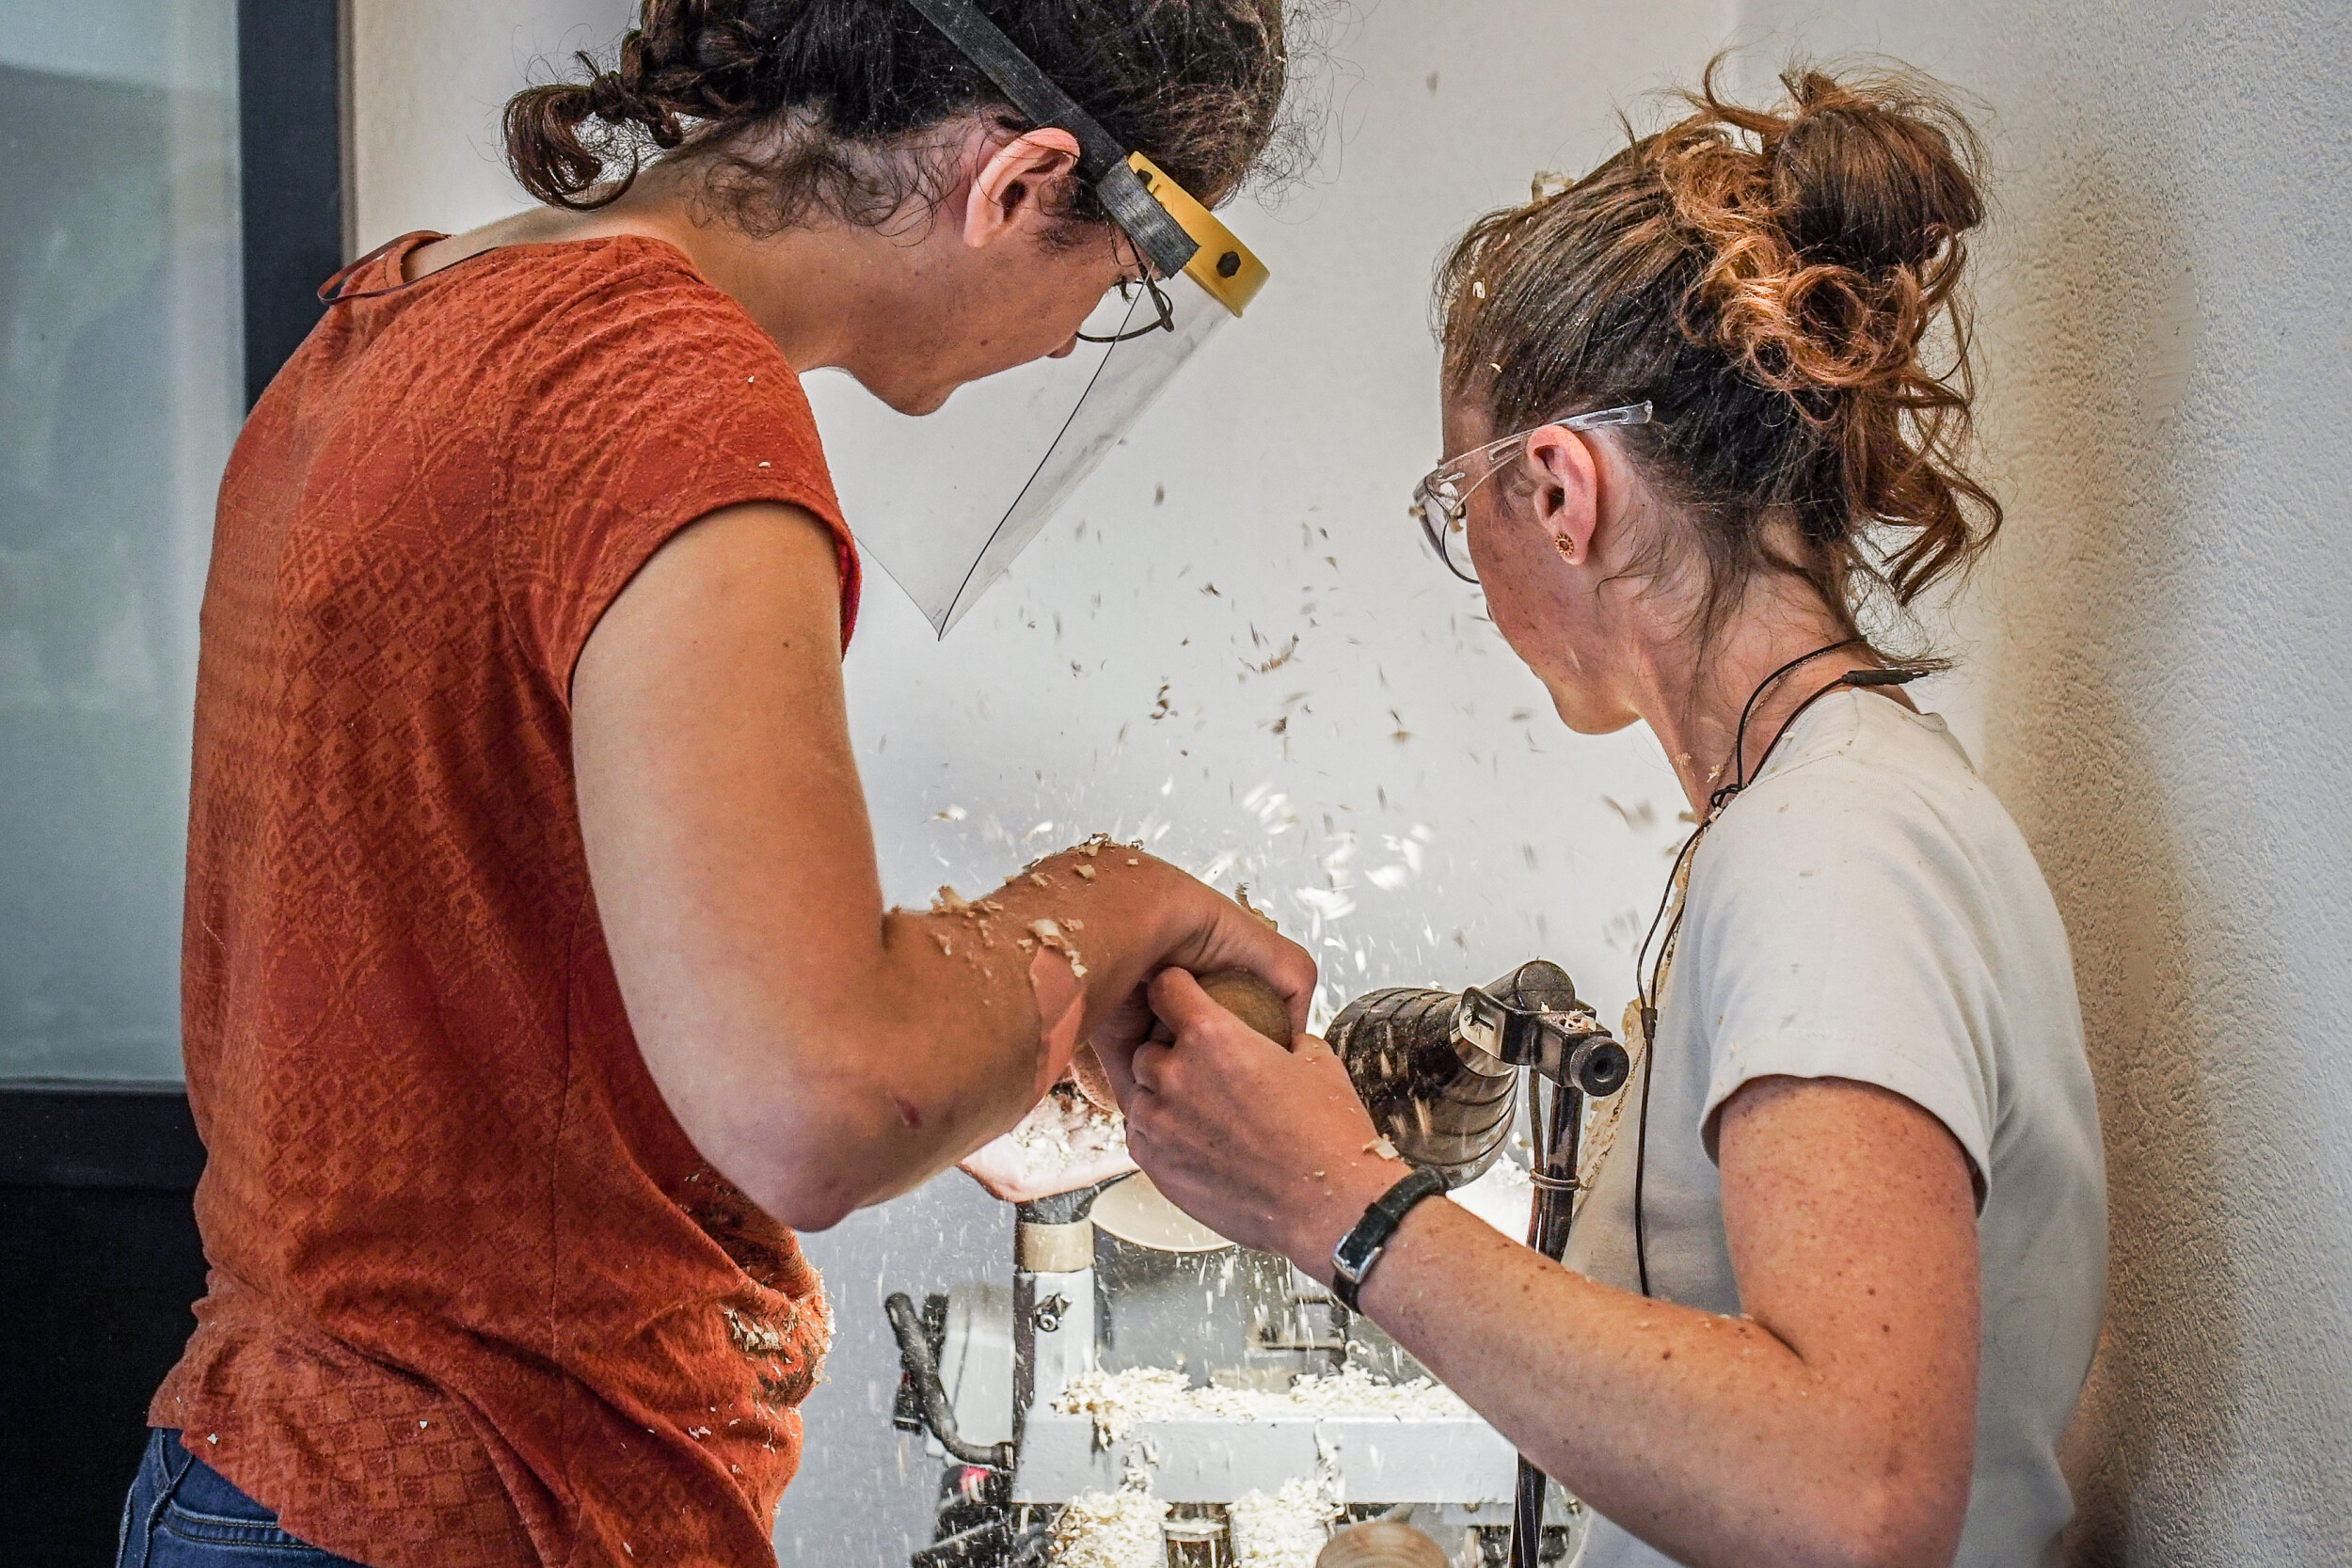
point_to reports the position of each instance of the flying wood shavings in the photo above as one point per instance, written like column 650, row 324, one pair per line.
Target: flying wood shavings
column 1066, row 1128
column 1160, row 710
column 1639, row 818
column 1290, row 651
column 1384, row 1148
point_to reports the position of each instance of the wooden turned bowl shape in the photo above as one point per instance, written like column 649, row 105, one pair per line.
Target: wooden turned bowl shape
column 1382, row 1544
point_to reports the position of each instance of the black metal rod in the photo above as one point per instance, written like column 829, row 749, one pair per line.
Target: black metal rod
column 1526, row 1516
column 1555, row 1136
column 922, row 1369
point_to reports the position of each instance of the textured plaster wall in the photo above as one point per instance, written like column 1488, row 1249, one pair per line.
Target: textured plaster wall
column 428, row 78
column 2157, row 682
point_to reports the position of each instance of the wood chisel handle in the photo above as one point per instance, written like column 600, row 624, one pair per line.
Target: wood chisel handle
column 1251, row 998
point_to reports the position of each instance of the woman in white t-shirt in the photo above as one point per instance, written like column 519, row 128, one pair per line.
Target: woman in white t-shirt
column 1836, row 1282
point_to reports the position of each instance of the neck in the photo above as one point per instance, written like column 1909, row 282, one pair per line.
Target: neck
column 1691, row 698
column 844, row 281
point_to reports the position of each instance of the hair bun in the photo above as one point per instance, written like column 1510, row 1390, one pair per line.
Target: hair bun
column 1833, row 224
column 1870, row 177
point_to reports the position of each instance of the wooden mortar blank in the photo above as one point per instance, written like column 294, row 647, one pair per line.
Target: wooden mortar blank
column 1053, row 1248
column 1381, row 1545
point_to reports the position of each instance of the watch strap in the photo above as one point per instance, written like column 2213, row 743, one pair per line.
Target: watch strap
column 1352, row 1261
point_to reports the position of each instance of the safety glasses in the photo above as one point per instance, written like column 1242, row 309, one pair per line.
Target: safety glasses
column 1441, row 500
column 1162, row 309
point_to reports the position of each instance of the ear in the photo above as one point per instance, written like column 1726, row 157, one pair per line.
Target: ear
column 1566, row 501
column 1010, row 187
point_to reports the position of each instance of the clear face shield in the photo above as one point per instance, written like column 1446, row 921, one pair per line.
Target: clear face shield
column 944, row 503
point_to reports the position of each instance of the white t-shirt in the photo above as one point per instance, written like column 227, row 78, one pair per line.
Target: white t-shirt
column 1866, row 910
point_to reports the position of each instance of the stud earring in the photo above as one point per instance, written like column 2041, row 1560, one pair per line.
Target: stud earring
column 1567, row 547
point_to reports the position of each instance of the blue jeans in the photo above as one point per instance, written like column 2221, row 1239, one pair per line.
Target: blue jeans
column 184, row 1513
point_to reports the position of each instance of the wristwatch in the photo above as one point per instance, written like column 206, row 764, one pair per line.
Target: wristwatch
column 1352, row 1261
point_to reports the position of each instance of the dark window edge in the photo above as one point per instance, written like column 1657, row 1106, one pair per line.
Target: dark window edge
column 293, row 101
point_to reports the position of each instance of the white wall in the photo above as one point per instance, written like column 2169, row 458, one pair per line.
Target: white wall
column 2159, row 675
column 2154, row 681
column 428, row 78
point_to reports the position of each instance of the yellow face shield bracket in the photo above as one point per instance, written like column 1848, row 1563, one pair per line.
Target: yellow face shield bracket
column 1223, row 266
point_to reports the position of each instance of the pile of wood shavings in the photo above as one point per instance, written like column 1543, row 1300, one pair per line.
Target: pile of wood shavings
column 1122, row 1529
column 1119, row 1402
column 1287, row 1530
column 1110, row 1529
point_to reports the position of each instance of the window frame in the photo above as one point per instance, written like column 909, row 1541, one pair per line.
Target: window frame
column 292, row 148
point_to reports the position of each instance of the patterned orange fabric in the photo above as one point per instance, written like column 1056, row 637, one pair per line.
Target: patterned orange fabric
column 474, row 1301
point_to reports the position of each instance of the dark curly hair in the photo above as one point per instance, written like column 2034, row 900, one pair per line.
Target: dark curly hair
column 1772, row 282
column 805, row 108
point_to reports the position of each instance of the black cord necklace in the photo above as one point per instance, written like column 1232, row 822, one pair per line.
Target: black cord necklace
column 1645, row 991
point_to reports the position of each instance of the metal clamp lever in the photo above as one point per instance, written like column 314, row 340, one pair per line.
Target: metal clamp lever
column 1565, row 1047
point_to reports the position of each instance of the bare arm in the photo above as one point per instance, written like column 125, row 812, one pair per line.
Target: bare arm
column 1833, row 1424
column 821, row 1052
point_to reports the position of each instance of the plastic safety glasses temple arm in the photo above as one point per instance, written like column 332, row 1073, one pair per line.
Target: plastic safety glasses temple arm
column 1441, row 500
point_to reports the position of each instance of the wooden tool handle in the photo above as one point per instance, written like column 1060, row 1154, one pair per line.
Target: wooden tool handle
column 1251, row 1000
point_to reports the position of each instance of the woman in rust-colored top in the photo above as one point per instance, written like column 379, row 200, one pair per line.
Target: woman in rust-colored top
column 537, row 974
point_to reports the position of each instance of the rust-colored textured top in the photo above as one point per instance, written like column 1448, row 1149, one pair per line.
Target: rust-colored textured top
column 474, row 1299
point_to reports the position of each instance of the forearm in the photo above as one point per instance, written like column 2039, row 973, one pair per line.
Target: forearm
column 821, row 1052
column 1831, row 1425
column 933, row 1038
column 1707, row 1436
